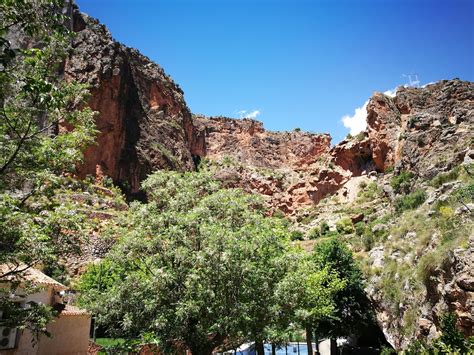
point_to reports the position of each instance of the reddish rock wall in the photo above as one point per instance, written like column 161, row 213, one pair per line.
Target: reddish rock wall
column 143, row 120
column 145, row 125
column 426, row 130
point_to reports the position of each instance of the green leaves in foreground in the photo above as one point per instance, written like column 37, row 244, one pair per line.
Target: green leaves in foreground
column 44, row 127
column 199, row 265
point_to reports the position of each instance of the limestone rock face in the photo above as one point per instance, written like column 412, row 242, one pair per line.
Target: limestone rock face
column 425, row 130
column 286, row 167
column 143, row 120
column 383, row 128
column 249, row 143
column 450, row 288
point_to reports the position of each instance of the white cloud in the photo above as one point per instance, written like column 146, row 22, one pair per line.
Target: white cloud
column 253, row 114
column 425, row 85
column 248, row 114
column 391, row 93
column 358, row 121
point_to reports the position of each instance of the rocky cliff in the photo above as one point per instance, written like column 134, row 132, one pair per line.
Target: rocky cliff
column 144, row 125
column 278, row 165
column 143, row 120
column 422, row 129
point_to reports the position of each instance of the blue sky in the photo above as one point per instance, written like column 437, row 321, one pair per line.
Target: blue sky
column 299, row 63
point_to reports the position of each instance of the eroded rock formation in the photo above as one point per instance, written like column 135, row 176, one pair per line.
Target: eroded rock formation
column 282, row 166
column 145, row 125
column 425, row 130
column 249, row 143
column 143, row 121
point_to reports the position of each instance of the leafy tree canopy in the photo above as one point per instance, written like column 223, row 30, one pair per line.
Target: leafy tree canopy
column 352, row 309
column 197, row 265
column 44, row 126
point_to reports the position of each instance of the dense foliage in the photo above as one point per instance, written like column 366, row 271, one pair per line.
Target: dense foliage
column 202, row 267
column 352, row 309
column 36, row 149
column 189, row 265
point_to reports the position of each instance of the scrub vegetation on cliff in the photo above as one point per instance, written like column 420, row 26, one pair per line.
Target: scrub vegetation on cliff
column 411, row 246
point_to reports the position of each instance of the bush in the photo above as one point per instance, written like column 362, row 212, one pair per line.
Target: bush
column 411, row 122
column 344, row 226
column 324, row 229
column 450, row 334
column 446, row 211
column 451, row 340
column 360, row 136
column 410, row 201
column 368, row 241
column 442, row 178
column 464, row 194
column 402, row 182
column 314, row 233
column 296, row 235
column 387, row 351
column 359, row 228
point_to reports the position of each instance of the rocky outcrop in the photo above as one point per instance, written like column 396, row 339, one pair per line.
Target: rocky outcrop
column 355, row 156
column 288, row 168
column 144, row 125
column 452, row 287
column 425, row 130
column 448, row 288
column 246, row 141
column 143, row 121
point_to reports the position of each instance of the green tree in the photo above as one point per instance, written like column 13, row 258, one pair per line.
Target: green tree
column 307, row 294
column 35, row 102
column 352, row 310
column 198, row 265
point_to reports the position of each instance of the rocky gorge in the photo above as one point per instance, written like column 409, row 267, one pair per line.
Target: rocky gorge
column 144, row 124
